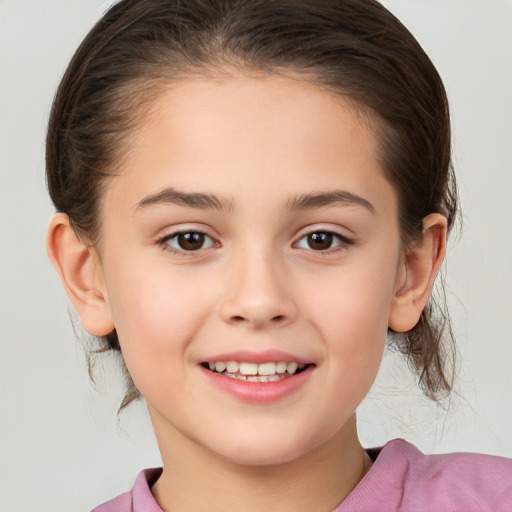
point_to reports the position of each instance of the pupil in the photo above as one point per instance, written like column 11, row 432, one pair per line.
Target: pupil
column 190, row 241
column 320, row 241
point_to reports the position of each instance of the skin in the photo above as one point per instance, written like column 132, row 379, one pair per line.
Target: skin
column 256, row 143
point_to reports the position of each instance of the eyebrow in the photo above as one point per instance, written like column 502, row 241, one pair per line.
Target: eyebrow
column 321, row 199
column 203, row 201
column 191, row 199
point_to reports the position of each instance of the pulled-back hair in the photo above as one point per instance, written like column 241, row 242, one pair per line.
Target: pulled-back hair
column 353, row 48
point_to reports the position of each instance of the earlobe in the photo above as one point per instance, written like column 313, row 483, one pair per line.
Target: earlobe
column 417, row 273
column 80, row 271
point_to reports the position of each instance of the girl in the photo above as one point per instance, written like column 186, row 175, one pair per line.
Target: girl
column 251, row 195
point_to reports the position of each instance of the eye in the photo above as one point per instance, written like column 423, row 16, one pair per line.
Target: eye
column 322, row 241
column 188, row 241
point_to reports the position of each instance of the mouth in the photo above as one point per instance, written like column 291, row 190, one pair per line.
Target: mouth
column 254, row 372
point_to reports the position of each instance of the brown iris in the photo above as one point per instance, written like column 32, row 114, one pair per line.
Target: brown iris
column 190, row 241
column 320, row 241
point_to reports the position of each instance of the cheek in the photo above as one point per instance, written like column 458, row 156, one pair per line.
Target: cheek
column 359, row 330
column 155, row 317
column 354, row 302
column 352, row 314
column 356, row 345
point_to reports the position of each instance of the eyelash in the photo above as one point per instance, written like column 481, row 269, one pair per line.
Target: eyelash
column 343, row 242
column 164, row 243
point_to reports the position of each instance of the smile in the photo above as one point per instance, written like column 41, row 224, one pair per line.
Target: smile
column 253, row 372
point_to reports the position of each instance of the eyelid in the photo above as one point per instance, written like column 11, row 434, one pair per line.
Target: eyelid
column 344, row 240
column 162, row 241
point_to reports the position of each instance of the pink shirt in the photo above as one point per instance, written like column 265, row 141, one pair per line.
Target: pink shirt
column 401, row 479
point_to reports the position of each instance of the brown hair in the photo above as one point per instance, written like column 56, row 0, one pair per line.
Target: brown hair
column 355, row 48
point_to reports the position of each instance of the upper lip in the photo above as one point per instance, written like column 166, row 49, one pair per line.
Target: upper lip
column 258, row 357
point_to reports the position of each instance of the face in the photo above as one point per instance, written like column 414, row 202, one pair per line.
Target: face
column 250, row 253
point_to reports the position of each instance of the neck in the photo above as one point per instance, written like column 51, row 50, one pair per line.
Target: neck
column 197, row 479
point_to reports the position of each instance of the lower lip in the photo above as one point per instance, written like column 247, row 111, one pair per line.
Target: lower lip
column 259, row 392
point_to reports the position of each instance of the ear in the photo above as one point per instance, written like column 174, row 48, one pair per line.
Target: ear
column 81, row 273
column 417, row 273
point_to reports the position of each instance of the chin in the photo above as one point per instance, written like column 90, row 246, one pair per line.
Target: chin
column 257, row 458
column 265, row 451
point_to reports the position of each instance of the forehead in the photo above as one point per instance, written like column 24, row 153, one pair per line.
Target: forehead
column 234, row 133
column 249, row 106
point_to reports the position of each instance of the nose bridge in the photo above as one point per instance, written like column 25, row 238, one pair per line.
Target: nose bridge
column 258, row 296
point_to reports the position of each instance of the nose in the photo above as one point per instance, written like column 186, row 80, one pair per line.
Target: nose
column 258, row 296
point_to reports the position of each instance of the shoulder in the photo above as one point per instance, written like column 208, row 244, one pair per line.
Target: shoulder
column 405, row 479
column 452, row 481
column 452, row 470
column 139, row 499
column 122, row 503
column 455, row 468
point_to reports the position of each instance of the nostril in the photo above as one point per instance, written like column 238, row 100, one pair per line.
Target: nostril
column 241, row 319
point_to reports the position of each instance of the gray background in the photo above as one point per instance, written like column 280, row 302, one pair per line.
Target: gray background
column 61, row 448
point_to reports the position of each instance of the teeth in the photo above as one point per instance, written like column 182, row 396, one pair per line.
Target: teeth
column 220, row 366
column 291, row 367
column 264, row 372
column 231, row 366
column 248, row 369
column 281, row 367
column 256, row 378
column 238, row 377
column 267, row 369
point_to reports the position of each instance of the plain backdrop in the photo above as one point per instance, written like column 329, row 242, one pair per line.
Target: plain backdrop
column 61, row 446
